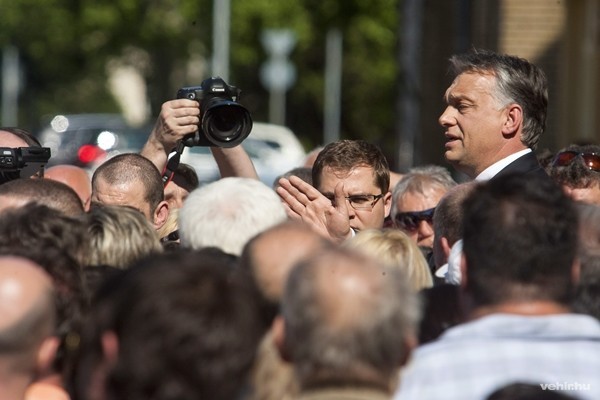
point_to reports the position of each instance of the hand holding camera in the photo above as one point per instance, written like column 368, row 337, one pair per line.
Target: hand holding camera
column 223, row 121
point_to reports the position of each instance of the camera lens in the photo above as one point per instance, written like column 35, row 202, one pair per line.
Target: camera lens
column 226, row 123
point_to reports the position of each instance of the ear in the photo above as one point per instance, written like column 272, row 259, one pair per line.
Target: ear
column 278, row 332
column 161, row 213
column 46, row 354
column 513, row 120
column 410, row 343
column 387, row 203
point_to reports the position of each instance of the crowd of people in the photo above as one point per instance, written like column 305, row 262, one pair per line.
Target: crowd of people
column 343, row 280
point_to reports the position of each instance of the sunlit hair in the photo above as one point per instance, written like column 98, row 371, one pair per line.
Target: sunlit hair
column 421, row 180
column 227, row 213
column 517, row 81
column 119, row 236
column 345, row 155
column 394, row 248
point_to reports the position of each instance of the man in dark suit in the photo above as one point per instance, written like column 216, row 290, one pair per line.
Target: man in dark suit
column 495, row 114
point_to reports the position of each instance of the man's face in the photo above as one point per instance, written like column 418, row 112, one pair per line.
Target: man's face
column 175, row 195
column 126, row 194
column 473, row 122
column 422, row 235
column 358, row 181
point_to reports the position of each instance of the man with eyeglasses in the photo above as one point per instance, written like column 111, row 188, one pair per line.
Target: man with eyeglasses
column 577, row 170
column 351, row 181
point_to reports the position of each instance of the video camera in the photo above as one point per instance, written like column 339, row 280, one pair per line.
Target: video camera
column 22, row 162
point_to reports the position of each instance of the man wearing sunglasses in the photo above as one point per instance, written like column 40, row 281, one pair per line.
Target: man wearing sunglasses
column 414, row 200
column 351, row 181
column 495, row 114
column 577, row 170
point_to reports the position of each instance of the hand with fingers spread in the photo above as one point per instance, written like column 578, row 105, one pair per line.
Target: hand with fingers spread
column 305, row 203
column 177, row 119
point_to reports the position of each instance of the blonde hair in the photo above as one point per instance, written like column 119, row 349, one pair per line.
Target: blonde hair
column 171, row 224
column 119, row 235
column 394, row 248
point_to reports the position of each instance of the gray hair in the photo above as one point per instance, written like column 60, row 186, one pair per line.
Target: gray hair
column 419, row 180
column 333, row 332
column 227, row 213
column 517, row 81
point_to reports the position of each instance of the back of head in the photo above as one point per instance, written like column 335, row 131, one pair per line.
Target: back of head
column 75, row 177
column 19, row 138
column 185, row 329
column 347, row 320
column 57, row 243
column 395, row 249
column 227, row 213
column 517, row 81
column 520, row 240
column 119, row 235
column 132, row 167
column 53, row 194
column 345, row 155
column 268, row 258
column 28, row 316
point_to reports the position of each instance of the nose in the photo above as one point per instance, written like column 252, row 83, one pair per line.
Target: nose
column 446, row 119
column 351, row 210
column 425, row 233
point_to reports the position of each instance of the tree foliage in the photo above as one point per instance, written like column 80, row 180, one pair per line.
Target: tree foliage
column 67, row 45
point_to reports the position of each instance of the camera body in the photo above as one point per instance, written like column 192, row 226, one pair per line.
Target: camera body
column 223, row 121
column 22, row 162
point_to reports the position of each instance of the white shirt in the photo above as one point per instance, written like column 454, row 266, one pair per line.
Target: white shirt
column 498, row 166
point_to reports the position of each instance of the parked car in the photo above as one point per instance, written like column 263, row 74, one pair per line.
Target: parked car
column 274, row 150
column 87, row 140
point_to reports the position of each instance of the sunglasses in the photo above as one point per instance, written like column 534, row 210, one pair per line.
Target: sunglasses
column 565, row 158
column 409, row 221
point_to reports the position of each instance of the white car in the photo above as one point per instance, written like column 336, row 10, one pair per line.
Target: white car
column 274, row 150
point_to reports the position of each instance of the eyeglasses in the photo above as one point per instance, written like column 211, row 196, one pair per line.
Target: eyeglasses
column 565, row 158
column 409, row 221
column 360, row 201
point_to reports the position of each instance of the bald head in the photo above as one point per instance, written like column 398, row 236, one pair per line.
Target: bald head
column 271, row 255
column 27, row 307
column 76, row 178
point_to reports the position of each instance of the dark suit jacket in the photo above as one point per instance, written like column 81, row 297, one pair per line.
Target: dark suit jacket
column 527, row 164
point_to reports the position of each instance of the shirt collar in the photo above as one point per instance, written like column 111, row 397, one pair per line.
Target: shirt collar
column 498, row 166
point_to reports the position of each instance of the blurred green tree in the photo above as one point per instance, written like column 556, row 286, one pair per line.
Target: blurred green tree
column 67, row 47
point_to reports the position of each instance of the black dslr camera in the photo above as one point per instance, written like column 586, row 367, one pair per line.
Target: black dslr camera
column 223, row 121
column 22, row 162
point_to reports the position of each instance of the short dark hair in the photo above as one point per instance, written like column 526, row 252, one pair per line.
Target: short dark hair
column 517, row 81
column 520, row 240
column 186, row 177
column 185, row 329
column 344, row 155
column 49, row 192
column 133, row 167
